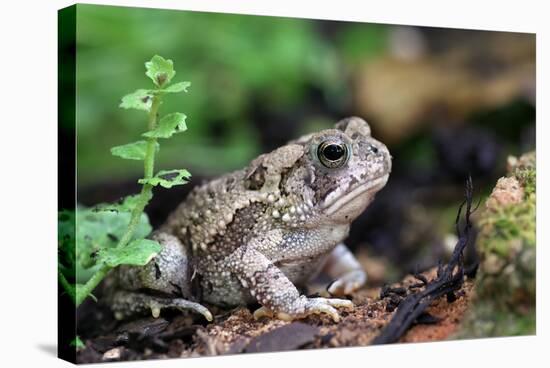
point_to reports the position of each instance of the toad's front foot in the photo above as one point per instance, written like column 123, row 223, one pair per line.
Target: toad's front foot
column 304, row 307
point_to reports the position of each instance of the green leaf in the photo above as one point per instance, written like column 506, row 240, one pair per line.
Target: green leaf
column 99, row 230
column 137, row 253
column 142, row 99
column 168, row 125
column 160, row 70
column 132, row 151
column 77, row 343
column 176, row 87
column 125, row 204
column 66, row 243
column 168, row 178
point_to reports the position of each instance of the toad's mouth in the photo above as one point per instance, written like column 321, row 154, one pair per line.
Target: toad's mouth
column 372, row 187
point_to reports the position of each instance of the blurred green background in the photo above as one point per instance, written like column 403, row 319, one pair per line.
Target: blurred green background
column 234, row 62
column 448, row 103
column 258, row 81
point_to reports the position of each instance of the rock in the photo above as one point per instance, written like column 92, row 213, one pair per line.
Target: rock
column 112, row 354
column 505, row 285
column 506, row 192
column 288, row 337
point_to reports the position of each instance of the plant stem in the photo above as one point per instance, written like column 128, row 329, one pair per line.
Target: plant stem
column 69, row 288
column 84, row 290
column 149, row 163
column 144, row 197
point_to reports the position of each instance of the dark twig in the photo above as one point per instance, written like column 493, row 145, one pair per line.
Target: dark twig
column 450, row 278
column 421, row 278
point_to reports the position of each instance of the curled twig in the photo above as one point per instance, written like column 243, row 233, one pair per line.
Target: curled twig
column 449, row 279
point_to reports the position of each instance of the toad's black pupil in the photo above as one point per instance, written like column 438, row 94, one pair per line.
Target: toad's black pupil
column 333, row 152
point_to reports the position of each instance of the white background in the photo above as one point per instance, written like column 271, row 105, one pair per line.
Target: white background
column 28, row 161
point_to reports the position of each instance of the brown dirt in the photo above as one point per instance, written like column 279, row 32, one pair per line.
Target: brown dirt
column 449, row 314
column 236, row 331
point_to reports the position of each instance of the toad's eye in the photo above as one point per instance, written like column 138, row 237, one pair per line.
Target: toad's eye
column 333, row 154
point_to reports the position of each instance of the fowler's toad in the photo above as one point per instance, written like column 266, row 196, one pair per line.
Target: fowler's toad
column 259, row 233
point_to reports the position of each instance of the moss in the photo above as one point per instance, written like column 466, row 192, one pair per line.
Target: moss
column 508, row 224
column 505, row 285
column 524, row 170
column 488, row 319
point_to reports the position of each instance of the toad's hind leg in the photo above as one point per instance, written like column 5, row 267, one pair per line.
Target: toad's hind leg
column 345, row 270
column 129, row 303
column 165, row 282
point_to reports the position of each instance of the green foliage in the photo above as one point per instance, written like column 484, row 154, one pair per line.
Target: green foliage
column 176, row 88
column 126, row 204
column 167, row 178
column 101, row 230
column 168, row 125
column 77, row 343
column 140, row 99
column 66, row 235
column 132, row 151
column 137, row 253
column 236, row 63
column 362, row 42
column 160, row 70
column 110, row 235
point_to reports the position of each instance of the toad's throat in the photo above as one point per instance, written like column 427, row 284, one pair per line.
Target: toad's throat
column 372, row 186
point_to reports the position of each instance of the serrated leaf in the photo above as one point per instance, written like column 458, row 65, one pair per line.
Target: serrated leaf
column 137, row 253
column 101, row 230
column 176, row 87
column 168, row 125
column 168, row 178
column 142, row 99
column 160, row 70
column 132, row 151
column 125, row 204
